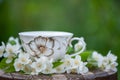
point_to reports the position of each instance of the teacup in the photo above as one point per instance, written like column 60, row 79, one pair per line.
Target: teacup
column 52, row 44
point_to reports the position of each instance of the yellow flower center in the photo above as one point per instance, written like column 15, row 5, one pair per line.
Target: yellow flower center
column 19, row 65
column 23, row 60
column 42, row 49
column 76, row 62
column 39, row 65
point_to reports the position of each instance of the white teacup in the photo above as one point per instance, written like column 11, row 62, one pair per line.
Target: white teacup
column 52, row 44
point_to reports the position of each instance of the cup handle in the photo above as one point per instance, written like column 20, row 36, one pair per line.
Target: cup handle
column 82, row 44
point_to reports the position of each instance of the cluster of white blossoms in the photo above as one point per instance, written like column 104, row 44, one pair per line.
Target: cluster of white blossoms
column 42, row 65
column 45, row 65
column 105, row 62
column 22, row 61
column 11, row 49
column 75, row 65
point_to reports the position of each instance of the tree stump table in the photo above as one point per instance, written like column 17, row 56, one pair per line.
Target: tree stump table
column 93, row 75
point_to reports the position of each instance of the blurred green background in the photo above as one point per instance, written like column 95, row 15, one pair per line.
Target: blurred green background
column 98, row 21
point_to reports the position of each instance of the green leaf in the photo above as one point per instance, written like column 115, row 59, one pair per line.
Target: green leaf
column 57, row 63
column 6, row 67
column 84, row 55
column 70, row 50
column 3, row 63
column 91, row 66
column 12, row 42
column 92, row 63
column 10, row 68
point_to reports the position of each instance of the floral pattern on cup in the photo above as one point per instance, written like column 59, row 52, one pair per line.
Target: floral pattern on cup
column 46, row 46
column 42, row 46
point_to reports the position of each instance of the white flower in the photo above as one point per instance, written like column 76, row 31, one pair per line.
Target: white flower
column 42, row 65
column 82, row 69
column 24, row 58
column 79, row 44
column 34, row 72
column 109, row 62
column 2, row 48
column 77, row 61
column 27, row 69
column 68, row 61
column 9, row 59
column 15, row 40
column 113, row 66
column 10, row 52
column 100, row 60
column 111, row 57
column 60, row 69
column 39, row 65
column 49, row 68
column 72, row 69
column 18, row 66
column 77, row 66
column 105, row 62
column 97, row 57
column 11, row 49
column 42, row 46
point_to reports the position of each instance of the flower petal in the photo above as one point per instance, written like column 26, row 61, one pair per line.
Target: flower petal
column 56, row 44
column 48, row 52
column 78, row 46
column 18, row 66
column 50, row 43
column 2, row 48
column 9, row 60
column 40, row 41
column 33, row 47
